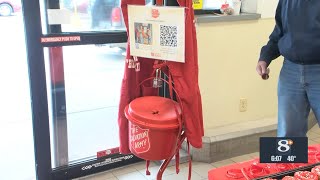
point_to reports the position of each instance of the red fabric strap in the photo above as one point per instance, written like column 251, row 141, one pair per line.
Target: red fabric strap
column 190, row 161
column 147, row 166
column 178, row 161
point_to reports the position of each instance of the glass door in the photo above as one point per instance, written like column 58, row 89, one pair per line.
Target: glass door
column 17, row 153
column 76, row 58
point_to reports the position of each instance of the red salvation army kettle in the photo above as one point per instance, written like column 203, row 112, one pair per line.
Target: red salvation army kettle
column 153, row 127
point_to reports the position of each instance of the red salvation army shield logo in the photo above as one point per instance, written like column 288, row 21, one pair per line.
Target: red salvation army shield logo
column 139, row 139
column 155, row 13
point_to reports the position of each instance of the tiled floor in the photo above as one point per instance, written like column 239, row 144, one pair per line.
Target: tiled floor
column 199, row 170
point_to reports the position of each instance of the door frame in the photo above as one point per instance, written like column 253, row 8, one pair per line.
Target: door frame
column 38, row 92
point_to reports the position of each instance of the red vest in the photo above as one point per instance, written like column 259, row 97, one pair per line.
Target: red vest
column 184, row 76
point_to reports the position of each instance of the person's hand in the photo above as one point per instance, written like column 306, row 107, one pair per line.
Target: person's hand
column 262, row 69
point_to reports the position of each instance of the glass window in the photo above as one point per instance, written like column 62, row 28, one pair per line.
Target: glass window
column 215, row 4
column 89, row 15
column 85, row 91
column 16, row 130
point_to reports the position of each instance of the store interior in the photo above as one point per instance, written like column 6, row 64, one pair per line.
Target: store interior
column 238, row 106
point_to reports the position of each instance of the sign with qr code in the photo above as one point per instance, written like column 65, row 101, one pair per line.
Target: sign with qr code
column 284, row 150
column 157, row 32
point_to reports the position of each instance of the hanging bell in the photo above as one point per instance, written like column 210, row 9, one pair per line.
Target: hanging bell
column 157, row 82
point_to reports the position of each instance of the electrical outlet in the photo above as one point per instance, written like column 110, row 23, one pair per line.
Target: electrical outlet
column 243, row 105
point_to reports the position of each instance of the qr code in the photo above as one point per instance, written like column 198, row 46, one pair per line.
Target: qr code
column 168, row 35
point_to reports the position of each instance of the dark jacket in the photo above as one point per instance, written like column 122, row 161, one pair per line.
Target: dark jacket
column 296, row 35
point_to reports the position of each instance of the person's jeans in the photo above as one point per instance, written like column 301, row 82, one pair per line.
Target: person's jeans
column 298, row 91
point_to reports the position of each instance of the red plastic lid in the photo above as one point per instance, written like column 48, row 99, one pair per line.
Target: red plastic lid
column 283, row 167
column 312, row 150
column 317, row 156
column 316, row 170
column 257, row 171
column 234, row 173
column 304, row 175
column 154, row 112
column 289, row 178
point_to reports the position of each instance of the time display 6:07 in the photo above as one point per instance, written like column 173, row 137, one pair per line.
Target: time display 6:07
column 279, row 158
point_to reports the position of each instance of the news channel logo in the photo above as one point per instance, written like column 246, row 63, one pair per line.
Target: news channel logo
column 283, row 149
column 284, row 146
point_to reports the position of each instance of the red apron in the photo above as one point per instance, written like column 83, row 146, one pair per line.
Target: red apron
column 184, row 75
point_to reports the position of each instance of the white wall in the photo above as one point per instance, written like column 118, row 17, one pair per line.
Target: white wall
column 228, row 54
column 266, row 8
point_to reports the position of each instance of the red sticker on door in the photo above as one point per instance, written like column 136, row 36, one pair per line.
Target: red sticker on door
column 139, row 139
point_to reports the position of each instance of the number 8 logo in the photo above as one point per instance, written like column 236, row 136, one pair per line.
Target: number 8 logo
column 283, row 146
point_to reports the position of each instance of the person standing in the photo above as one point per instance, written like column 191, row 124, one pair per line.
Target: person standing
column 296, row 37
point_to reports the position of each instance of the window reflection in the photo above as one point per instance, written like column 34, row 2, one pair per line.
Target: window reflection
column 93, row 15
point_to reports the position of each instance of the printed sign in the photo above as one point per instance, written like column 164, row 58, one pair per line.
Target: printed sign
column 107, row 152
column 106, row 162
column 139, row 139
column 59, row 16
column 197, row 4
column 284, row 150
column 60, row 39
column 154, row 33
